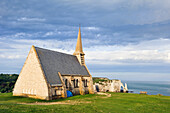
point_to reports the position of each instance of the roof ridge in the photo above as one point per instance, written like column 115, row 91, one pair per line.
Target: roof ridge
column 54, row 51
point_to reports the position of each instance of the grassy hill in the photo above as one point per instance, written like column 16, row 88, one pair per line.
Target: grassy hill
column 97, row 79
column 118, row 102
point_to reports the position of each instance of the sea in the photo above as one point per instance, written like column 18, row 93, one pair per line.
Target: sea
column 151, row 87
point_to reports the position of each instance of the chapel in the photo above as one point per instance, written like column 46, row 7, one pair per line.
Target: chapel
column 48, row 74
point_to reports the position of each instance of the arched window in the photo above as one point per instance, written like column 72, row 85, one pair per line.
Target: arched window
column 74, row 83
column 66, row 83
column 86, row 82
column 77, row 83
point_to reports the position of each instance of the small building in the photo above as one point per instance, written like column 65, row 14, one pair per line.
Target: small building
column 48, row 74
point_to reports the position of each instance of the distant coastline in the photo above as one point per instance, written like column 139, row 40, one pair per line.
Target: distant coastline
column 152, row 87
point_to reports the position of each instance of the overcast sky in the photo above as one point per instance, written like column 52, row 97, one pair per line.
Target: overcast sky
column 122, row 39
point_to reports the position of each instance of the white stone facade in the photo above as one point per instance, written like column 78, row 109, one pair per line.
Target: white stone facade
column 27, row 83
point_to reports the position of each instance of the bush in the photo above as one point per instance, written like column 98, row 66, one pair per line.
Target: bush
column 7, row 82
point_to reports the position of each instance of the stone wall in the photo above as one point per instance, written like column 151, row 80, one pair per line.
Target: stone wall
column 31, row 81
column 82, row 88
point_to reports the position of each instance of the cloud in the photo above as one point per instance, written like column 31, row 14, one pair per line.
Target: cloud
column 115, row 32
column 96, row 12
column 31, row 19
column 91, row 28
column 134, row 76
column 12, row 56
column 146, row 52
column 110, row 58
column 21, row 35
column 48, row 34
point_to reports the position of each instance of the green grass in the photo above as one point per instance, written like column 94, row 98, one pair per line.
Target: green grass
column 117, row 103
column 97, row 80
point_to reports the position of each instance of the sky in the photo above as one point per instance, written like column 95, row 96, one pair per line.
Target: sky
column 122, row 39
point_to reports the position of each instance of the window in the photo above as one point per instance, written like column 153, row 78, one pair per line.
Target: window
column 53, row 91
column 58, row 91
column 85, row 83
column 74, row 83
column 66, row 83
column 77, row 83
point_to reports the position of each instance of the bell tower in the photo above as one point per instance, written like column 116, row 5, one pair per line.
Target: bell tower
column 79, row 50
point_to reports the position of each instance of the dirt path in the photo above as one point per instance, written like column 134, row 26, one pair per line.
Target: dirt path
column 70, row 102
column 53, row 103
column 101, row 93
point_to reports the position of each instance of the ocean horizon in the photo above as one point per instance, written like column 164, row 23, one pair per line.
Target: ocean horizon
column 151, row 87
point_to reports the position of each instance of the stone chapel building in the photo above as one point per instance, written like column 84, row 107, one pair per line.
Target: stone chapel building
column 48, row 74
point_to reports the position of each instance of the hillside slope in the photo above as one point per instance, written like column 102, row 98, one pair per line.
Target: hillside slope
column 117, row 102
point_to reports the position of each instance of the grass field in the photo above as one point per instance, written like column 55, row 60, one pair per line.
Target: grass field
column 118, row 102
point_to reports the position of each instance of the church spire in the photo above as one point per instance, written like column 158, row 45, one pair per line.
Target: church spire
column 79, row 49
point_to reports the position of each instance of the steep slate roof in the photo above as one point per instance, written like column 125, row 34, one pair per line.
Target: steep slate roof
column 53, row 62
